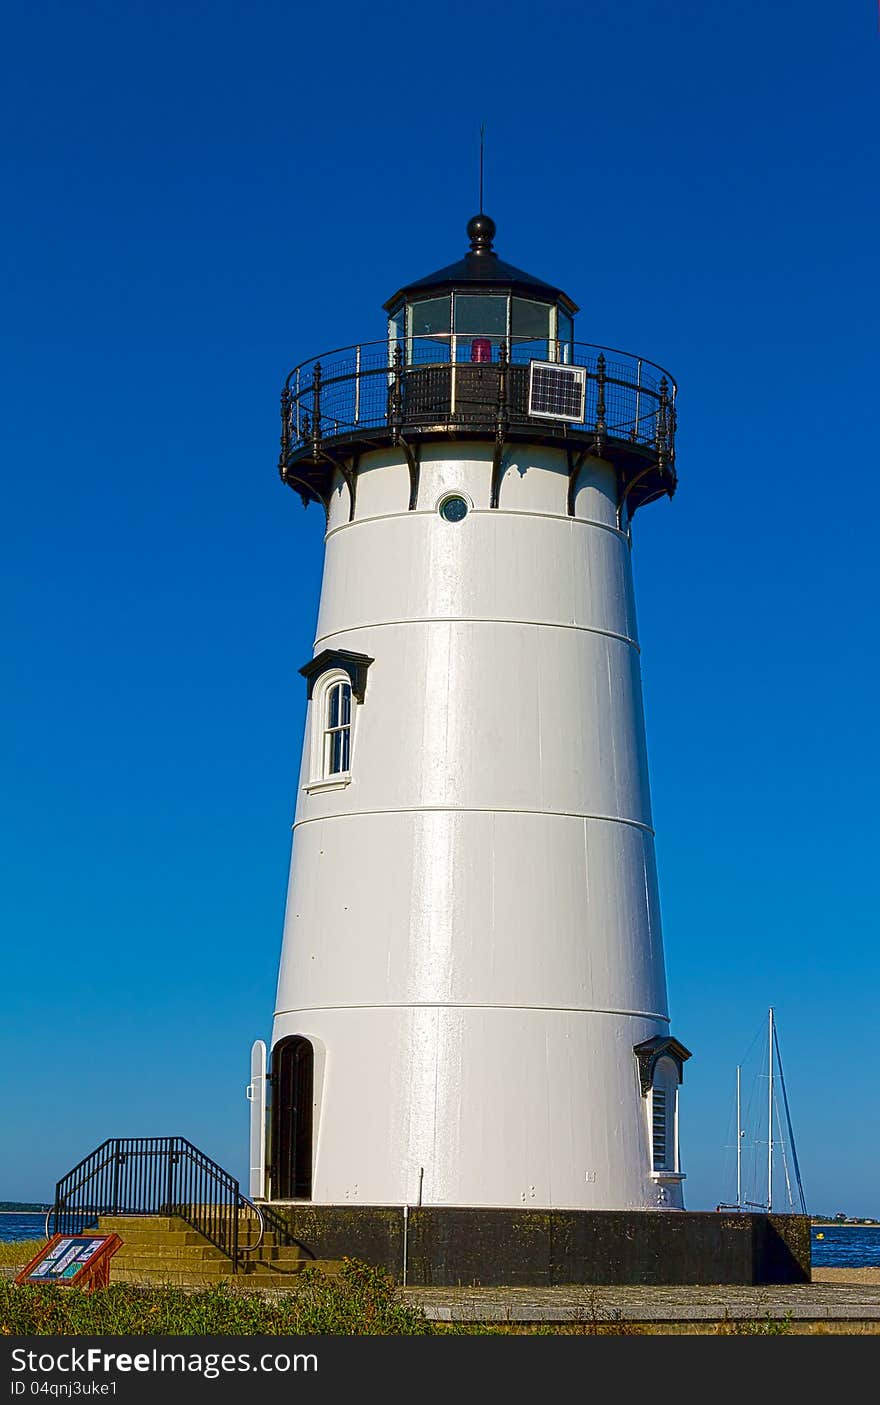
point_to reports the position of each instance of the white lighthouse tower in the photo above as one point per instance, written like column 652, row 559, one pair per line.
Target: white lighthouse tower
column 471, row 1005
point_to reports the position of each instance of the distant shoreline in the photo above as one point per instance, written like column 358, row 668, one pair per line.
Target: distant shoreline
column 836, row 1224
column 815, row 1224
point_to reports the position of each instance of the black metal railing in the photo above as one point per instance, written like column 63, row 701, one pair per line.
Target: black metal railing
column 429, row 381
column 282, row 1231
column 158, row 1176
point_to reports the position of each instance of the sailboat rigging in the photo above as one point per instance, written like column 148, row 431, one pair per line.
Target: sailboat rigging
column 774, row 1061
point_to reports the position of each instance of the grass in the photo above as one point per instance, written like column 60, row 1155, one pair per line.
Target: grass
column 766, row 1326
column 362, row 1301
column 19, row 1251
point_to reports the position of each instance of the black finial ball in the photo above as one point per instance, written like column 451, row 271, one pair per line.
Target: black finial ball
column 481, row 232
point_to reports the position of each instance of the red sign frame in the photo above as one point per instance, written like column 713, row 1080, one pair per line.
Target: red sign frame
column 93, row 1271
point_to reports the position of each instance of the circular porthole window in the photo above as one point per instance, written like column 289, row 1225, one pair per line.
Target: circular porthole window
column 454, row 508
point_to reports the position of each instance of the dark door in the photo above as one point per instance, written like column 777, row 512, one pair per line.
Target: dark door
column 292, row 1090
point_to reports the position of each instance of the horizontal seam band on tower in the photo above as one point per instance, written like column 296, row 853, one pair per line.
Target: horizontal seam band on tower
column 493, row 512
column 465, row 1005
column 476, row 810
column 479, row 619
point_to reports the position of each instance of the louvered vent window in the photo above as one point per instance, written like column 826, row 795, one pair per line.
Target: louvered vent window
column 660, row 1128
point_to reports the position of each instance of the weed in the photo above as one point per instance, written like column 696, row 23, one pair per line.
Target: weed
column 360, row 1302
column 766, row 1326
column 593, row 1320
column 19, row 1251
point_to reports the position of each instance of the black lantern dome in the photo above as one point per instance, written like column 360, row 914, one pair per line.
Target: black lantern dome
column 482, row 268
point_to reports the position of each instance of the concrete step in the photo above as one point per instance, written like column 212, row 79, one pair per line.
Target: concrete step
column 137, row 1226
column 282, row 1264
column 169, row 1240
column 136, row 1223
column 282, row 1251
column 195, row 1256
column 180, row 1242
column 159, row 1249
column 151, row 1231
column 134, row 1228
column 154, row 1266
column 144, row 1228
column 114, row 1221
column 176, row 1233
column 174, row 1221
column 197, row 1246
column 182, row 1277
column 184, row 1253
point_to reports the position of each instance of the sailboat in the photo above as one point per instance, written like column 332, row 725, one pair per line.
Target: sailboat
column 774, row 1062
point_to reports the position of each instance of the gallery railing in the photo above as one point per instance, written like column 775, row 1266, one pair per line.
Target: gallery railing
column 448, row 380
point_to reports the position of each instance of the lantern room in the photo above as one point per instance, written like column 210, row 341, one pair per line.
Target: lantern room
column 464, row 313
column 479, row 349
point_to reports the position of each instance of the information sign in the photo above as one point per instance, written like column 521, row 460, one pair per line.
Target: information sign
column 73, row 1260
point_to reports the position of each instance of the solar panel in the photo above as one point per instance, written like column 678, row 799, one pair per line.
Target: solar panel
column 557, row 392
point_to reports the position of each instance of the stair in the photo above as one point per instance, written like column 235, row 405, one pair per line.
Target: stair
column 160, row 1250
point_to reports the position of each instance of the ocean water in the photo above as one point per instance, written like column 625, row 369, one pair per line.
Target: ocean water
column 832, row 1246
column 22, row 1227
column 845, row 1246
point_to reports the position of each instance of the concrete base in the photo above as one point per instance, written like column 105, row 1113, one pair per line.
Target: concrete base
column 808, row 1309
column 457, row 1246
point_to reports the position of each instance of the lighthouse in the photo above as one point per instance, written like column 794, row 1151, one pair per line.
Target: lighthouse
column 471, row 1004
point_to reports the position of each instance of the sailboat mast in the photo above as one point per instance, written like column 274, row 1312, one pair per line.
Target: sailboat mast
column 794, row 1155
column 738, row 1144
column 770, row 1113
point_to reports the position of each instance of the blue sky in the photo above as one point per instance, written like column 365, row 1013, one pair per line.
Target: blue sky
column 196, row 198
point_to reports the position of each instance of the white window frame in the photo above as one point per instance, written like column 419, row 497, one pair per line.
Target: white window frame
column 664, row 1075
column 320, row 777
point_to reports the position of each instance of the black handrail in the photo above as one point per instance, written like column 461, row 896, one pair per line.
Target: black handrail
column 282, row 1230
column 349, row 388
column 363, row 397
column 156, row 1176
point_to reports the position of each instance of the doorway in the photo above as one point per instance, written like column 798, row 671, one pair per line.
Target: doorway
column 293, row 1062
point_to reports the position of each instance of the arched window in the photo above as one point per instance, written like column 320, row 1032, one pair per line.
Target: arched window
column 334, row 706
column 336, row 747
column 337, row 680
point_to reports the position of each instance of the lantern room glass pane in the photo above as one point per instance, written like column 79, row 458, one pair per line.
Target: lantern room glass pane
column 530, row 319
column 565, row 332
column 429, row 317
column 397, row 326
column 480, row 316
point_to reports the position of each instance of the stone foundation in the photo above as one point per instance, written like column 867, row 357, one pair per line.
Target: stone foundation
column 457, row 1246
